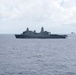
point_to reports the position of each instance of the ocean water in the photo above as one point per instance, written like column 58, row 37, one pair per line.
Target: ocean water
column 37, row 56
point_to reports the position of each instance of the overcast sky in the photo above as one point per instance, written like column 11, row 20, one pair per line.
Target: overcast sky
column 56, row 16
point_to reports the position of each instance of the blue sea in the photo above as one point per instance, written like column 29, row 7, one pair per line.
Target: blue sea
column 37, row 56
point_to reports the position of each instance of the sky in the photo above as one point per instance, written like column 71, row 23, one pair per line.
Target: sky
column 56, row 16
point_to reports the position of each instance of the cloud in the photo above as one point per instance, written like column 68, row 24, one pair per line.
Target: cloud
column 51, row 12
column 37, row 9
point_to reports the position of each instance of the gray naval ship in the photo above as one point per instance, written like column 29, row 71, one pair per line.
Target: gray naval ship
column 28, row 34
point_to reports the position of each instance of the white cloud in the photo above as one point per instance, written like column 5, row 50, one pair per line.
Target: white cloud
column 37, row 9
column 43, row 11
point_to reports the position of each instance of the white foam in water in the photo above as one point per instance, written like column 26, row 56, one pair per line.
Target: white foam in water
column 37, row 56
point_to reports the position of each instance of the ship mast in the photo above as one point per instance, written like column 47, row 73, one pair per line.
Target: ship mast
column 42, row 30
column 27, row 29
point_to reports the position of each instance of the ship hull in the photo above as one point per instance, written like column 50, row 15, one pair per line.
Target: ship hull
column 52, row 36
